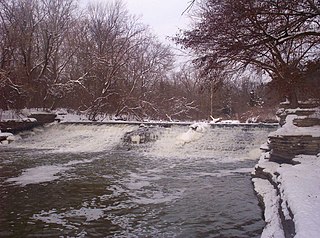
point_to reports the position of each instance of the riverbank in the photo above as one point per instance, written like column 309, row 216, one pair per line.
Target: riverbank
column 287, row 176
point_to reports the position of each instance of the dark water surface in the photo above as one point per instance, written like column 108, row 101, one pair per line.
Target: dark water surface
column 81, row 181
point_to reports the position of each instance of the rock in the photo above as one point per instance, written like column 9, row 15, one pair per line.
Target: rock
column 286, row 147
column 4, row 142
column 3, row 137
column 283, row 113
column 17, row 126
column 11, row 138
column 142, row 135
column 43, row 117
column 311, row 103
column 6, row 138
column 306, row 122
column 265, row 147
column 298, row 136
column 34, row 120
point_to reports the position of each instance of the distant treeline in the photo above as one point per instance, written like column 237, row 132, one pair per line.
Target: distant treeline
column 102, row 60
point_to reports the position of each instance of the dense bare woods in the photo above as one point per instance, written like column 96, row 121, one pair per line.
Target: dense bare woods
column 102, row 60
column 282, row 38
column 36, row 50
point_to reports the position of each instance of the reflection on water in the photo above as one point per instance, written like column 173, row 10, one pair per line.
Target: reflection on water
column 201, row 189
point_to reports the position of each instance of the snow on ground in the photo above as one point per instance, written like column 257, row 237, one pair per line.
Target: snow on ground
column 290, row 129
column 273, row 227
column 23, row 115
column 20, row 115
column 300, row 186
column 229, row 122
column 66, row 115
column 300, row 190
column 69, row 116
column 296, row 185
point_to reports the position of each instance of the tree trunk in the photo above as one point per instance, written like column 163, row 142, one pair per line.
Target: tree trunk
column 293, row 99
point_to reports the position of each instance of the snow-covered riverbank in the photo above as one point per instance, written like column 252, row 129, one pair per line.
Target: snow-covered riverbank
column 287, row 177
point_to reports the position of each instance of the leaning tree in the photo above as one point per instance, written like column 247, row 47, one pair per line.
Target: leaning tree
column 281, row 38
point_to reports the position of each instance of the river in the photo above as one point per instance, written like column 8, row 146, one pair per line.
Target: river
column 84, row 181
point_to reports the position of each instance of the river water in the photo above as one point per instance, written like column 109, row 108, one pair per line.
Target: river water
column 84, row 181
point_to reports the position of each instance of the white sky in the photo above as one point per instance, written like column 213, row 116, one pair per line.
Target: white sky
column 164, row 17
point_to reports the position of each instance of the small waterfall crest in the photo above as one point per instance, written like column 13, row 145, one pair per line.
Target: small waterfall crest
column 199, row 140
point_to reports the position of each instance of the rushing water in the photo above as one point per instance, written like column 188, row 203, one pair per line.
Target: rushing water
column 83, row 181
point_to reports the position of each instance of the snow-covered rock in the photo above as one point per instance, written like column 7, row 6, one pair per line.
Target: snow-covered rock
column 142, row 135
column 294, row 192
column 288, row 173
column 29, row 119
column 270, row 200
column 6, row 138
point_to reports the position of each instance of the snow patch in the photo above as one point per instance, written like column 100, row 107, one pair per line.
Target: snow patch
column 289, row 129
column 299, row 186
column 229, row 122
column 273, row 228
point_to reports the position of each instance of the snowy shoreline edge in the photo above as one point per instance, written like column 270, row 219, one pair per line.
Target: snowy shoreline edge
column 287, row 176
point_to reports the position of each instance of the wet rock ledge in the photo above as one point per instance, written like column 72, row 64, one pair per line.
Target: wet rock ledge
column 143, row 134
column 10, row 127
column 283, row 178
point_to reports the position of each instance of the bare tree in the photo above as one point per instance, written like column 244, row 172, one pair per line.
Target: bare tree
column 124, row 61
column 280, row 37
column 34, row 53
column 110, row 38
column 102, row 61
column 57, row 49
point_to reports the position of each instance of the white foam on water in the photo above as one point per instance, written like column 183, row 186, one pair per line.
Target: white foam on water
column 144, row 188
column 155, row 197
column 194, row 133
column 75, row 138
column 39, row 174
column 45, row 173
column 52, row 217
column 188, row 137
column 223, row 144
column 197, row 141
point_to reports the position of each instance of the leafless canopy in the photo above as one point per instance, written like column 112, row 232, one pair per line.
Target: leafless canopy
column 280, row 37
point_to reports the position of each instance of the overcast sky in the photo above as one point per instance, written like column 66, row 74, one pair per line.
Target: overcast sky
column 163, row 16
